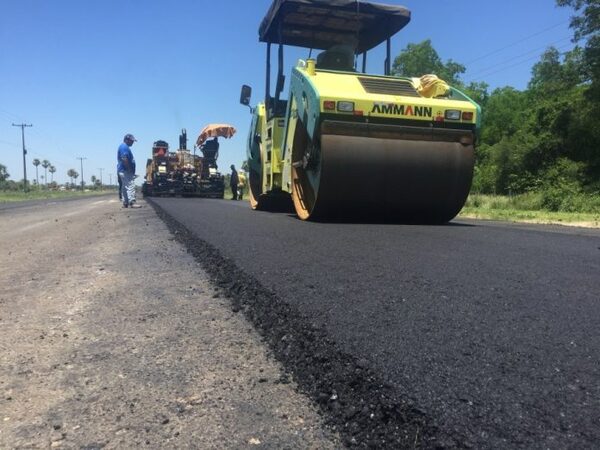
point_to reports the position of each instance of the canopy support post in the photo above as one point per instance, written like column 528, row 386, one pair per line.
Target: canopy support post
column 388, row 51
column 268, row 78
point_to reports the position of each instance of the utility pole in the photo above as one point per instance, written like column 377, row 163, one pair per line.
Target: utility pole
column 23, row 125
column 101, row 169
column 81, row 160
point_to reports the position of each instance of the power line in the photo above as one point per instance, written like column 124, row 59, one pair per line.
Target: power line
column 9, row 114
column 9, row 143
column 517, row 42
column 36, row 133
column 43, row 134
column 509, row 60
column 39, row 133
column 526, row 38
column 512, row 65
column 23, row 126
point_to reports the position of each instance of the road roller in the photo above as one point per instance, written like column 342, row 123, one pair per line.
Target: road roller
column 346, row 143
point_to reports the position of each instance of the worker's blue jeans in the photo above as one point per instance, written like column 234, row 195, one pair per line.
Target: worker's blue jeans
column 127, row 187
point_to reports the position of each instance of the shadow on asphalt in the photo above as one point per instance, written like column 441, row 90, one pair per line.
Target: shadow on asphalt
column 381, row 221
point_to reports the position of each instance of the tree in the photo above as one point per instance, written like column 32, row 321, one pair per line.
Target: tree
column 36, row 163
column 72, row 174
column 587, row 27
column 531, row 136
column 505, row 113
column 421, row 59
column 477, row 91
column 4, row 175
column 563, row 115
column 45, row 165
column 553, row 76
column 52, row 171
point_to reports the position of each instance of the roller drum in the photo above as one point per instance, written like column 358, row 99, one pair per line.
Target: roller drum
column 393, row 174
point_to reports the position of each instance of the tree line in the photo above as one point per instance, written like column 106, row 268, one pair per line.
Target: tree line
column 543, row 141
column 10, row 185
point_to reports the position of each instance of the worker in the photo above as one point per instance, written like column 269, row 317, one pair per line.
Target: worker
column 241, row 184
column 126, row 171
column 233, row 182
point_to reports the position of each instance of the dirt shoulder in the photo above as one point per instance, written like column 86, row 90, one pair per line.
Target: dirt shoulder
column 111, row 336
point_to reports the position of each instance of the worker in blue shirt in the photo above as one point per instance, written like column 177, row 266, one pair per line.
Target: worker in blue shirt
column 126, row 171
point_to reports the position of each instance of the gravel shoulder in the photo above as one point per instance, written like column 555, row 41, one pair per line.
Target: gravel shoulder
column 112, row 336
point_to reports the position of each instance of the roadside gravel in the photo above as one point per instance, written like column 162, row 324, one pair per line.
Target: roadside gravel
column 111, row 336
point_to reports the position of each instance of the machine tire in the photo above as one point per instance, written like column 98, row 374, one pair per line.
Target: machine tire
column 304, row 194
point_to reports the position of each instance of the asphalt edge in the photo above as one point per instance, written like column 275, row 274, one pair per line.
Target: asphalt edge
column 354, row 401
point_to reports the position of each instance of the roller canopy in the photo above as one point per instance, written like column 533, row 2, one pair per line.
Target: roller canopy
column 320, row 24
column 215, row 130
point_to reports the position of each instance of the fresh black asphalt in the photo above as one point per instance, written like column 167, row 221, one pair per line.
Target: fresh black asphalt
column 473, row 334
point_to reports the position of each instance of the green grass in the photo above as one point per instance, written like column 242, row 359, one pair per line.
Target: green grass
column 20, row 196
column 523, row 208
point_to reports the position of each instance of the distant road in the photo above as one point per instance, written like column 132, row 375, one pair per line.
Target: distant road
column 50, row 201
column 489, row 330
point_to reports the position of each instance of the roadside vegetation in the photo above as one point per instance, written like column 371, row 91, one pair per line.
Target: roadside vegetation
column 529, row 208
column 38, row 194
column 14, row 191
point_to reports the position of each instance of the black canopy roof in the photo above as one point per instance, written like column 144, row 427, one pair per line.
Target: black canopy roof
column 320, row 24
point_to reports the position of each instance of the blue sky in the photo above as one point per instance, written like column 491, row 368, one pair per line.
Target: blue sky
column 84, row 73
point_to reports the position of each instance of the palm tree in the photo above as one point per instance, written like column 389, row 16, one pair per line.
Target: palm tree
column 52, row 170
column 72, row 174
column 45, row 165
column 36, row 163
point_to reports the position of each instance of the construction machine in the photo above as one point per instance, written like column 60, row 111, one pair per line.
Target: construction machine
column 350, row 144
column 183, row 173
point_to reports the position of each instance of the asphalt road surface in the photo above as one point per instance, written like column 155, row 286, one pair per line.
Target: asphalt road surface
column 473, row 334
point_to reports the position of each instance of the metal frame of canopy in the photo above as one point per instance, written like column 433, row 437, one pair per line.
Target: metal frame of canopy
column 320, row 24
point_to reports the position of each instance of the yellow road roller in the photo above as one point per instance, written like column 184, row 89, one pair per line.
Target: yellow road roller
column 347, row 144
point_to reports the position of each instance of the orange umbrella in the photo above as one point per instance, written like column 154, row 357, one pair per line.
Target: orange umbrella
column 215, row 130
